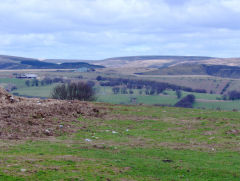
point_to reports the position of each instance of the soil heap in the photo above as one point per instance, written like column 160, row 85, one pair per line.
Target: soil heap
column 25, row 118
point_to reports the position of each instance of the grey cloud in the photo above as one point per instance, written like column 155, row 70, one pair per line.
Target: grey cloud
column 101, row 28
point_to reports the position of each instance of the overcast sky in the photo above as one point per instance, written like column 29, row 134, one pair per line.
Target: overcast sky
column 97, row 29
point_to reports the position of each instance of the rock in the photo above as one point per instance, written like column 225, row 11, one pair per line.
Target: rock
column 167, row 161
column 88, row 140
column 48, row 132
column 23, row 170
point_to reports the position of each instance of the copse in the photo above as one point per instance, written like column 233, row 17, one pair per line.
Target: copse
column 186, row 102
column 74, row 90
column 234, row 95
column 156, row 87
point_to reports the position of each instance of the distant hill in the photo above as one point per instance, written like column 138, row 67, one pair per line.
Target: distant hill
column 12, row 62
column 149, row 61
column 198, row 69
column 59, row 61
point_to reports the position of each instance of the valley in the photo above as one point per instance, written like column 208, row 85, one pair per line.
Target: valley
column 185, row 75
column 132, row 131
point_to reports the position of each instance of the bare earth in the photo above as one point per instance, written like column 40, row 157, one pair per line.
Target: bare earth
column 24, row 118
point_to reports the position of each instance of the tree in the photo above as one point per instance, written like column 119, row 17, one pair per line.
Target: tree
column 99, row 78
column 74, row 90
column 27, row 82
column 178, row 93
column 124, row 90
column 152, row 92
column 116, row 90
column 35, row 82
column 131, row 91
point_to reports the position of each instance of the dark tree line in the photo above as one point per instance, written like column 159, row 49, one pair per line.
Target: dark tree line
column 225, row 88
column 151, row 87
column 43, row 82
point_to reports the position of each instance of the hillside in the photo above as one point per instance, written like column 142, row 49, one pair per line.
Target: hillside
column 62, row 140
column 198, row 69
column 148, row 61
column 59, row 61
column 12, row 62
column 163, row 61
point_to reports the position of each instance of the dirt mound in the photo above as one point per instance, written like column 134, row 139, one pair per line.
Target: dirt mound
column 30, row 118
column 5, row 97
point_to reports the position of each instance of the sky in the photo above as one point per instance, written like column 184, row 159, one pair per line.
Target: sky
column 98, row 29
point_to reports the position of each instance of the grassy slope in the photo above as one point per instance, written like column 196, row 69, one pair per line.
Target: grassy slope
column 160, row 144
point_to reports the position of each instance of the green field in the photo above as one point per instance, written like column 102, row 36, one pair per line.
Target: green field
column 40, row 91
column 206, row 101
column 144, row 99
column 197, row 95
column 226, row 105
column 132, row 143
column 17, row 82
column 104, row 94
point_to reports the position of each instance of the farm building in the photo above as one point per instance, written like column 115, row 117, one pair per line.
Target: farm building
column 26, row 76
column 84, row 69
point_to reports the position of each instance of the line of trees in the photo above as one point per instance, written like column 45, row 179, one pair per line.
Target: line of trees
column 151, row 87
column 45, row 81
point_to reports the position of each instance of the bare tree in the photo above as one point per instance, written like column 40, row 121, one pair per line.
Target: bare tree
column 74, row 90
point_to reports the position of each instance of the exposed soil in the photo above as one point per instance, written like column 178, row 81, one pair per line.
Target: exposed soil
column 22, row 118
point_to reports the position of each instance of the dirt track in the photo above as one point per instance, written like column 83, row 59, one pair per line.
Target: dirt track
column 23, row 118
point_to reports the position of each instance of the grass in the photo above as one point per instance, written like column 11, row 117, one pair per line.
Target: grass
column 226, row 105
column 40, row 91
column 206, row 101
column 17, row 82
column 144, row 99
column 133, row 143
column 197, row 95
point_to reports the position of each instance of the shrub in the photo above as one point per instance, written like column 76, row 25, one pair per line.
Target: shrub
column 99, row 78
column 234, row 95
column 74, row 90
column 186, row 102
